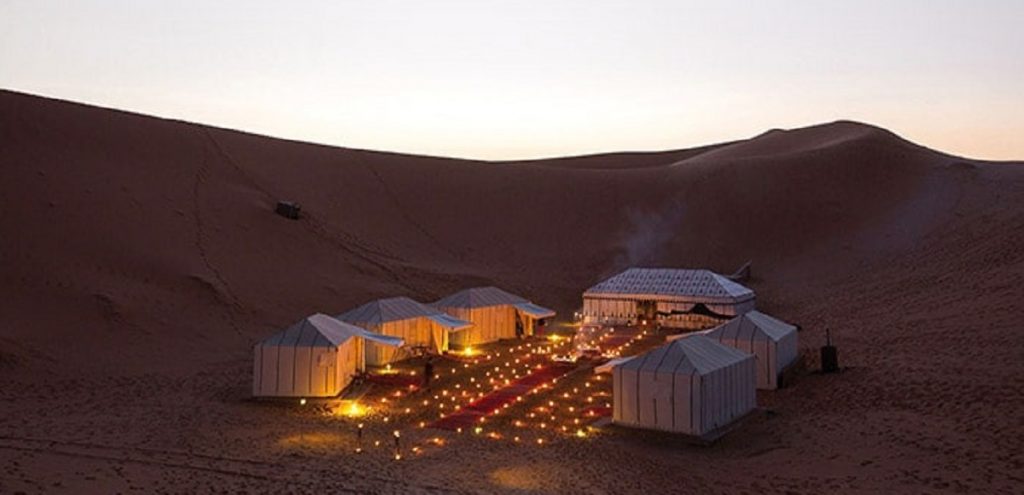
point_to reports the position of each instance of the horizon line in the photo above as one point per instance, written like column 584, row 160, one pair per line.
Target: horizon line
column 581, row 155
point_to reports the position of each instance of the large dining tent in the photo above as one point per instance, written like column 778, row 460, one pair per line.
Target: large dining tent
column 773, row 342
column 694, row 386
column 315, row 357
column 494, row 313
column 418, row 325
column 680, row 298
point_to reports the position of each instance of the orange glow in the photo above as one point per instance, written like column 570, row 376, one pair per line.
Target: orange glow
column 353, row 409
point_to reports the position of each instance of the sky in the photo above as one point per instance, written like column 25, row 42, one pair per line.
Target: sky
column 528, row 79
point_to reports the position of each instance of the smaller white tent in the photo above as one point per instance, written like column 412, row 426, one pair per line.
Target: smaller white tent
column 315, row 357
column 415, row 323
column 773, row 342
column 494, row 313
column 693, row 386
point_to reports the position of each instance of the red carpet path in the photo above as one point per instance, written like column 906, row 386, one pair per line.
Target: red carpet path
column 471, row 414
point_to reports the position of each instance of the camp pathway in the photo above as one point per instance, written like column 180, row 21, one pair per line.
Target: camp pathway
column 394, row 380
column 620, row 336
column 471, row 414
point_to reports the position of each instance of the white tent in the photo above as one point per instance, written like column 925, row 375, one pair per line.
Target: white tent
column 693, row 386
column 495, row 314
column 415, row 323
column 316, row 357
column 692, row 299
column 773, row 342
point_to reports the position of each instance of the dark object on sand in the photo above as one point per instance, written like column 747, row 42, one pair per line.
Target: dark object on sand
column 428, row 373
column 288, row 209
column 829, row 355
column 741, row 275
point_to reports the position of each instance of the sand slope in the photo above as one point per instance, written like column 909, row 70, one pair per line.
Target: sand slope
column 143, row 255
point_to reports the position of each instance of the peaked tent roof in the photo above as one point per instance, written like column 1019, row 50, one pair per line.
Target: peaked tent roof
column 697, row 354
column 672, row 283
column 479, row 297
column 396, row 309
column 751, row 325
column 320, row 330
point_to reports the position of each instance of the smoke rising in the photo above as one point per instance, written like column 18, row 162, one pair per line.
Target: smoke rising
column 645, row 234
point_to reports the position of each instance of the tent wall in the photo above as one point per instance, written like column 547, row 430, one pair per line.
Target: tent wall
column 683, row 402
column 620, row 311
column 763, row 350
column 285, row 370
column 723, row 395
column 771, row 357
column 624, row 397
column 788, row 352
column 613, row 311
column 529, row 325
column 414, row 331
column 490, row 323
column 662, row 401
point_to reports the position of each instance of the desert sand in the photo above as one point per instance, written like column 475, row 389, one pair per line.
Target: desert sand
column 141, row 259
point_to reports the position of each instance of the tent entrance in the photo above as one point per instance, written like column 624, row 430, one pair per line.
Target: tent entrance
column 646, row 310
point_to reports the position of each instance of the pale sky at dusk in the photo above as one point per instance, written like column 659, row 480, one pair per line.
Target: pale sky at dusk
column 502, row 79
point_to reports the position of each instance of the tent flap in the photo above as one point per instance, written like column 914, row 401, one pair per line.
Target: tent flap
column 534, row 310
column 450, row 322
column 382, row 339
column 610, row 365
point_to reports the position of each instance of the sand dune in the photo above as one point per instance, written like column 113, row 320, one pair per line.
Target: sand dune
column 141, row 259
column 800, row 141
